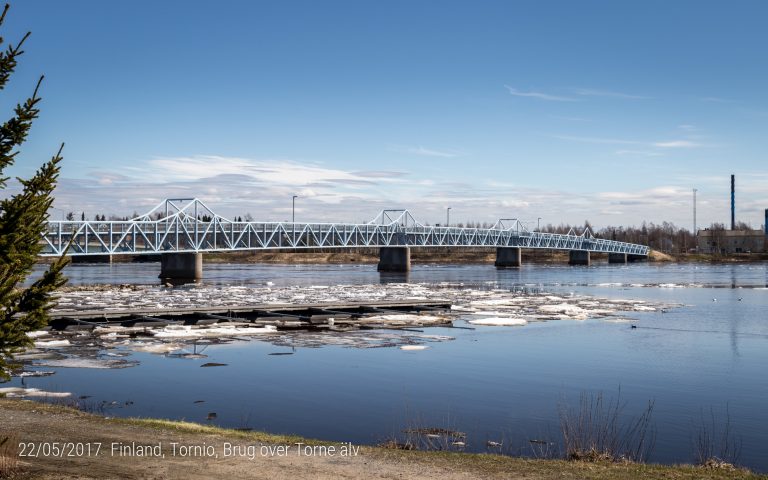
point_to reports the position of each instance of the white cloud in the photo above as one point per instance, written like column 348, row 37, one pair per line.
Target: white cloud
column 279, row 172
column 588, row 92
column 539, row 95
column 677, row 144
column 264, row 189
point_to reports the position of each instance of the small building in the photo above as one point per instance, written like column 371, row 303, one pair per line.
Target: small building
column 731, row 241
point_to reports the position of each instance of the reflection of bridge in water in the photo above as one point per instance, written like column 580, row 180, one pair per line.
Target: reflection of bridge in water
column 181, row 230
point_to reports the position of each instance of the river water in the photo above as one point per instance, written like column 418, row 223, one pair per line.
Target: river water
column 700, row 354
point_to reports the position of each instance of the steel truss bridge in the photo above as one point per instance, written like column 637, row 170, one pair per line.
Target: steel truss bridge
column 188, row 225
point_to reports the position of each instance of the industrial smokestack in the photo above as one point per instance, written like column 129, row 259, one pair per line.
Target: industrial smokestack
column 765, row 225
column 733, row 202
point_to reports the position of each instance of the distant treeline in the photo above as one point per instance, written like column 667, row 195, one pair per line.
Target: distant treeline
column 665, row 237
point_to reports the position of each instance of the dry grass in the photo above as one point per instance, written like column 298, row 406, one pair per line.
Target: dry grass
column 9, row 458
column 196, row 428
column 500, row 466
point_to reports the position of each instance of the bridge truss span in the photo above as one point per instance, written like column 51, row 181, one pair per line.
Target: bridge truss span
column 188, row 225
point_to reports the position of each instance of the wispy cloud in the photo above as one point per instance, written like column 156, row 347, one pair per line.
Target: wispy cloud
column 539, row 95
column 281, row 172
column 598, row 140
column 425, row 152
column 639, row 153
column 677, row 144
column 428, row 152
column 618, row 141
column 589, row 92
column 687, row 127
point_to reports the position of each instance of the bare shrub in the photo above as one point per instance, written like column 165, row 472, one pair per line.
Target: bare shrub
column 716, row 446
column 598, row 431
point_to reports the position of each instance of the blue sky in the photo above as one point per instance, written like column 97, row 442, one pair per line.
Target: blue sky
column 570, row 111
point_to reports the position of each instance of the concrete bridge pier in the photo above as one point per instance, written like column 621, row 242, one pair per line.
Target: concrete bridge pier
column 617, row 258
column 508, row 257
column 637, row 258
column 181, row 267
column 394, row 259
column 579, row 257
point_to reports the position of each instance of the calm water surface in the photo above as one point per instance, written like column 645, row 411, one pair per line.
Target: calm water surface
column 493, row 383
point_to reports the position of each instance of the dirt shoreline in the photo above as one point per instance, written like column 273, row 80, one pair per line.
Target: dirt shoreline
column 39, row 426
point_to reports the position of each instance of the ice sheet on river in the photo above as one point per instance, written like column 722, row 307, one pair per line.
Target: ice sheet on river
column 479, row 305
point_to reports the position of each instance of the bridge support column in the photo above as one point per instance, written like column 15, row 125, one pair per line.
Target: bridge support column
column 394, row 259
column 578, row 257
column 508, row 257
column 617, row 258
column 181, row 267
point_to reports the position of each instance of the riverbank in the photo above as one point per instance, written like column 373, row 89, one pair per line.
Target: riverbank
column 425, row 255
column 39, row 426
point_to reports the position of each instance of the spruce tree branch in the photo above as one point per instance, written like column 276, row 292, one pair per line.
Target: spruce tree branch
column 5, row 10
column 37, row 88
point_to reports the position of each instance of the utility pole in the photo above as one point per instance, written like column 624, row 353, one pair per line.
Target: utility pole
column 293, row 218
column 694, row 212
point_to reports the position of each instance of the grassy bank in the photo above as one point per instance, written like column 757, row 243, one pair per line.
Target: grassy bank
column 26, row 421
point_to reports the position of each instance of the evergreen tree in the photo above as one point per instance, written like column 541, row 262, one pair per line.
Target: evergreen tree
column 23, row 218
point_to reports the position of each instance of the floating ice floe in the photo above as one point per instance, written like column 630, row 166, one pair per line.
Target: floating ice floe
column 52, row 343
column 461, row 308
column 85, row 363
column 155, row 347
column 413, row 347
column 189, row 331
column 499, row 321
column 31, row 392
column 488, row 313
column 564, row 308
column 404, row 318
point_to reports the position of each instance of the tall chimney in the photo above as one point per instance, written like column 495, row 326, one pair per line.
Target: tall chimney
column 733, row 202
column 765, row 225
